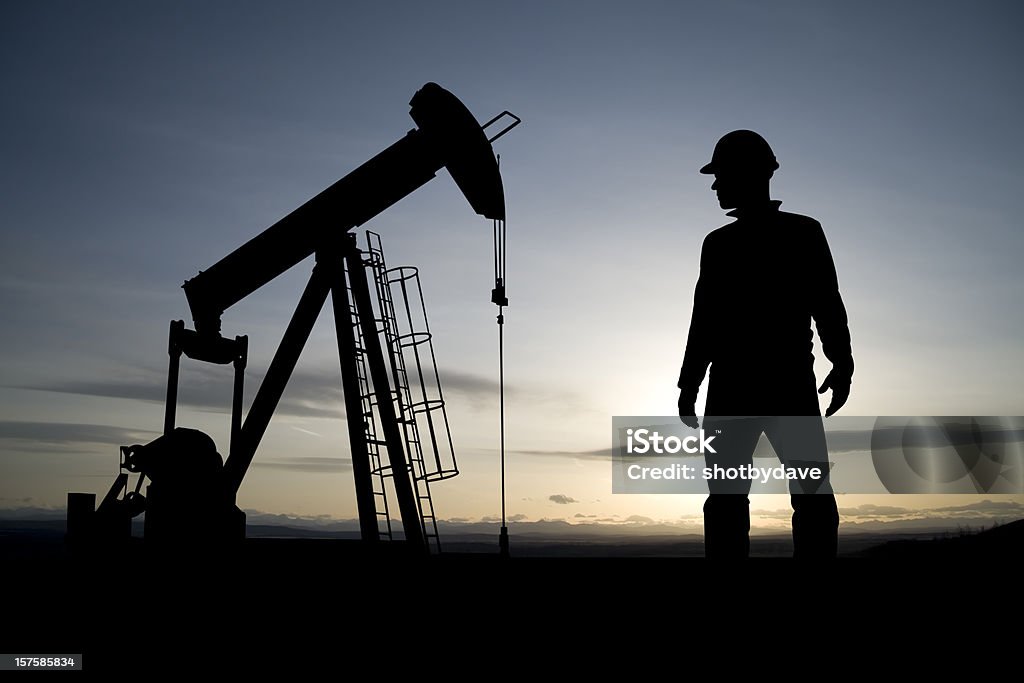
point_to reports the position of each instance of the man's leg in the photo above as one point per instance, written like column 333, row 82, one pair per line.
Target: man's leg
column 800, row 442
column 727, row 509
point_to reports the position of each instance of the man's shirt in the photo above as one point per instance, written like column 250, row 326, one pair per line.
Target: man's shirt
column 763, row 278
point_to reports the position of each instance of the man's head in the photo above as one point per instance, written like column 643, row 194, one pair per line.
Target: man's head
column 742, row 163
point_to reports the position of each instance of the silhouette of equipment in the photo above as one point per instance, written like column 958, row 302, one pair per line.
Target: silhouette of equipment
column 191, row 497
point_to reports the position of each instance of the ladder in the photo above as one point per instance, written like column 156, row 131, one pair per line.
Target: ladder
column 401, row 393
column 373, row 443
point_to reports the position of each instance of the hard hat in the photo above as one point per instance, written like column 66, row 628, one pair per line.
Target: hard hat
column 742, row 150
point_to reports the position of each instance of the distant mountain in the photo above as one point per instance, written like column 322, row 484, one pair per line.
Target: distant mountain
column 544, row 531
column 35, row 538
column 32, row 513
column 1005, row 541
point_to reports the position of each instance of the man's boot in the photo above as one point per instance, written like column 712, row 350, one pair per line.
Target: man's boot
column 726, row 526
column 815, row 525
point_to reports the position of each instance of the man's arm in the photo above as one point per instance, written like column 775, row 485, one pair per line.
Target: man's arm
column 829, row 313
column 698, row 354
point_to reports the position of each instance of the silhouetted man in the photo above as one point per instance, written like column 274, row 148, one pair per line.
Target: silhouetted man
column 763, row 278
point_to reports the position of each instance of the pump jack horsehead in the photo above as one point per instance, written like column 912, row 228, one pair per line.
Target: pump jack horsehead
column 191, row 494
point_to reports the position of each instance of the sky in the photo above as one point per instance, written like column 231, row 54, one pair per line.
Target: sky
column 143, row 142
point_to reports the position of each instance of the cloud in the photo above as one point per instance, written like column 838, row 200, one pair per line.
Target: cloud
column 482, row 391
column 293, row 520
column 20, row 511
column 468, row 384
column 562, row 499
column 308, row 394
column 991, row 507
column 68, row 436
column 518, row 517
column 307, row 464
column 868, row 510
column 982, row 510
column 772, row 514
column 639, row 519
column 593, row 453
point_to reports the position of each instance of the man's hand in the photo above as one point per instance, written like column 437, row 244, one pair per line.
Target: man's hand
column 839, row 383
column 687, row 411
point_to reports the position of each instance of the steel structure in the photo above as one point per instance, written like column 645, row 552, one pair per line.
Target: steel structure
column 191, row 496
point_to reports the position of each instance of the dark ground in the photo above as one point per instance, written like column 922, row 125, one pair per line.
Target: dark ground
column 304, row 602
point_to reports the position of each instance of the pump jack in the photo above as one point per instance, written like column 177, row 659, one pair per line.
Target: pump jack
column 191, row 497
